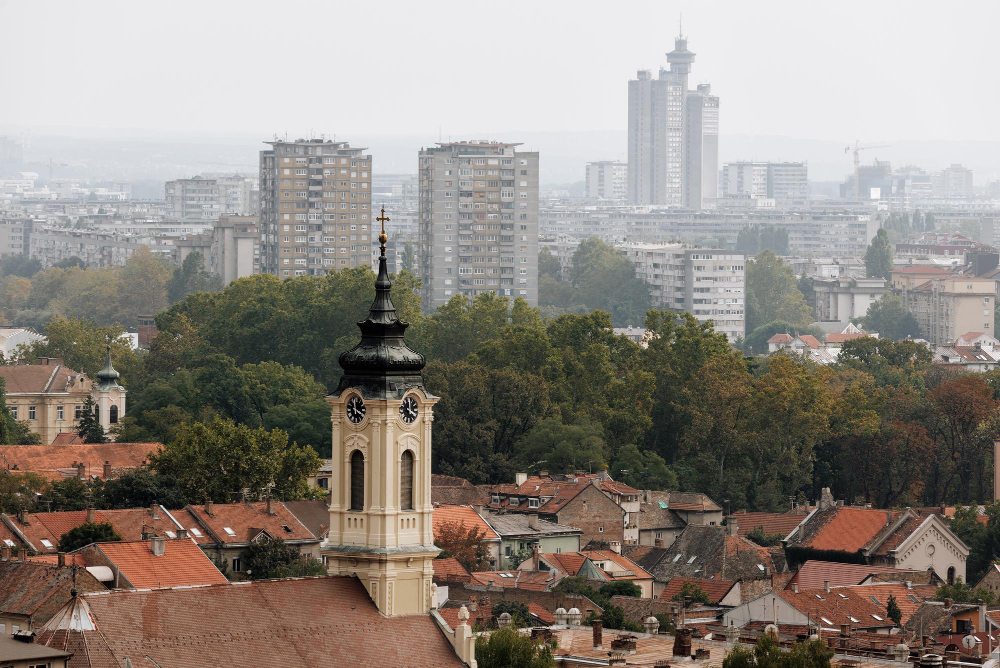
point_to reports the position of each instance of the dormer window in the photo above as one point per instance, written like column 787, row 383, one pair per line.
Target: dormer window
column 532, row 503
column 514, row 501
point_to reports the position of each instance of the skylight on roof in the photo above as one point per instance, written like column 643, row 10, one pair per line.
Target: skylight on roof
column 229, row 531
column 8, row 542
column 827, row 621
column 195, row 532
column 875, row 600
column 662, row 504
column 877, row 617
column 841, row 595
column 691, row 560
column 853, row 619
column 170, row 534
column 913, row 598
column 287, row 528
column 677, row 558
column 506, row 575
column 761, row 567
column 46, row 543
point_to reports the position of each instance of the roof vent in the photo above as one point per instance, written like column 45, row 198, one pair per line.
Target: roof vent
column 158, row 545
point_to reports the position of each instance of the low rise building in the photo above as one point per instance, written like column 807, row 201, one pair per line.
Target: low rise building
column 449, row 519
column 842, row 299
column 664, row 515
column 597, row 565
column 41, row 532
column 86, row 461
column 945, row 304
column 520, row 533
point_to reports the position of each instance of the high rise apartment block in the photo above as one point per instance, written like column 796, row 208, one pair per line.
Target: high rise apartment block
column 207, row 198
column 673, row 136
column 781, row 181
column 315, row 207
column 710, row 284
column 607, row 179
column 478, row 221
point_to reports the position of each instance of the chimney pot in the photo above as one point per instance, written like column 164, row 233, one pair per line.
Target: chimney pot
column 533, row 521
column 732, row 528
column 598, row 627
column 182, row 533
column 158, row 545
column 154, row 510
column 90, row 515
column 81, row 471
column 909, row 584
column 107, row 470
column 61, row 558
column 267, row 505
column 826, row 585
column 535, row 549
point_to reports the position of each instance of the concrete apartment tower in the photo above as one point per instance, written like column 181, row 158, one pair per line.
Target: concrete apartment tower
column 673, row 145
column 478, row 221
column 380, row 501
column 315, row 207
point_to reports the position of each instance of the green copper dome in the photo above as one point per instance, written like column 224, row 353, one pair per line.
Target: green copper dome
column 107, row 377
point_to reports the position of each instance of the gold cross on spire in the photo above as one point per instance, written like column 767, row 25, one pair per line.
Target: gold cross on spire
column 382, row 238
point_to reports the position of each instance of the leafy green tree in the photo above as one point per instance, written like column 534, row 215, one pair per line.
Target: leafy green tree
column 71, row 261
column 191, row 277
column 464, row 544
column 518, row 611
column 764, row 539
column 642, row 469
column 768, row 654
column 140, row 488
column 887, row 317
column 218, row 459
column 754, row 239
column 90, row 429
column 82, row 345
column 773, row 293
column 18, row 490
column 509, row 648
column 408, row 259
column 269, row 557
column 605, row 280
column 563, row 447
column 960, row 592
column 88, row 533
column 929, row 222
column 613, row 616
column 620, row 588
column 19, row 265
column 893, row 612
column 68, row 494
column 548, row 264
column 692, row 590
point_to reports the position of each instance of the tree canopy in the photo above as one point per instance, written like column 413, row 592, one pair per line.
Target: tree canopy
column 878, row 257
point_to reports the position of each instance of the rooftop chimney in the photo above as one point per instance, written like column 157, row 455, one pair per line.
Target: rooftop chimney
column 947, row 604
column 732, row 529
column 535, row 549
column 795, row 587
column 5, row 553
column 209, row 509
column 826, row 499
column 90, row 515
column 23, row 554
column 154, row 510
column 61, row 558
column 81, row 471
column 908, row 583
column 533, row 521
column 182, row 533
column 598, row 627
column 158, row 545
column 888, row 517
column 826, row 586
column 658, row 542
column 267, row 505
column 107, row 470
column 520, row 478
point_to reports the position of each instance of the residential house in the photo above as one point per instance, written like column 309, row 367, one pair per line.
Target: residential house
column 41, row 532
column 314, row 514
column 321, row 478
column 862, row 607
column 772, row 524
column 454, row 491
column 663, row 515
column 293, row 623
column 449, row 569
column 157, row 562
column 990, row 579
column 815, row 574
column 31, row 592
column 22, row 652
column 604, row 509
column 520, row 579
column 532, row 595
column 597, row 565
column 86, row 461
column 908, row 539
column 974, row 351
column 944, row 620
column 719, row 592
column 466, row 518
column 520, row 533
column 224, row 530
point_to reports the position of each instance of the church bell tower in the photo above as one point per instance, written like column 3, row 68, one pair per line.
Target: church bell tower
column 380, row 504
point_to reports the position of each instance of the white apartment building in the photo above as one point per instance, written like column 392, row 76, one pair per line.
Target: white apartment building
column 709, row 284
column 478, row 228
column 204, row 198
column 781, row 181
column 607, row 179
column 842, row 298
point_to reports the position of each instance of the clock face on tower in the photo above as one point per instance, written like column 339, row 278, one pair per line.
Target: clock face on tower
column 355, row 409
column 408, row 410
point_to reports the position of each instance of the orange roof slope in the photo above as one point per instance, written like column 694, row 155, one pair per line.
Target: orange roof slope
column 623, row 562
column 848, row 530
column 864, row 604
column 532, row 580
column 463, row 516
column 183, row 563
column 813, row 573
column 716, row 589
column 773, row 523
column 39, row 378
column 450, row 568
column 50, row 527
column 55, row 462
column 245, row 520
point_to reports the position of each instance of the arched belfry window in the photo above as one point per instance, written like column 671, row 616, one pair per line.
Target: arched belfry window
column 113, row 414
column 406, row 480
column 357, row 480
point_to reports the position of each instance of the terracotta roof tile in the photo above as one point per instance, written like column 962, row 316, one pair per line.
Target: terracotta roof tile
column 839, row 337
column 314, row 514
column 809, row 340
column 626, row 564
column 842, row 529
column 569, row 563
column 813, row 573
column 39, row 378
column 293, row 623
column 183, row 563
column 245, row 520
column 530, row 580
column 841, row 604
column 449, row 568
column 541, row 613
column 463, row 516
column 716, row 589
column 773, row 523
column 50, row 527
column 39, row 590
column 780, row 338
column 55, row 462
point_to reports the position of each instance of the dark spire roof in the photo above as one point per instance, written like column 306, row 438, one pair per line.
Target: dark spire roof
column 107, row 377
column 381, row 365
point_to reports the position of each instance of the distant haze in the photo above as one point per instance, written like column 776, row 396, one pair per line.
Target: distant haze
column 921, row 76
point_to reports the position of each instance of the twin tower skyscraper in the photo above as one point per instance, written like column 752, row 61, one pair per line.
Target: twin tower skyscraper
column 673, row 136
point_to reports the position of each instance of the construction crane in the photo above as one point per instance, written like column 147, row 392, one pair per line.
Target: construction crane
column 857, row 162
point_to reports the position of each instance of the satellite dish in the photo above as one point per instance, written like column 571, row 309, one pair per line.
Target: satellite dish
column 969, row 642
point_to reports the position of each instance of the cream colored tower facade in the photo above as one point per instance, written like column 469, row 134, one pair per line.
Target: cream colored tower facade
column 380, row 504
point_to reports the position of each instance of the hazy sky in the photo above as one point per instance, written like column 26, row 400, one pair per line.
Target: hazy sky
column 871, row 70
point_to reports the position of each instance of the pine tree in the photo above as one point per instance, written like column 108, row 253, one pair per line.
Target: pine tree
column 90, row 429
column 893, row 612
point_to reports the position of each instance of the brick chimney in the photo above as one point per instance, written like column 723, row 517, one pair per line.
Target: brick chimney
column 23, row 554
column 732, row 529
column 5, row 553
column 535, row 549
column 81, row 471
column 598, row 627
column 658, row 542
column 268, row 508
column 61, row 558
column 209, row 507
column 158, row 545
column 154, row 510
column 947, row 604
column 826, row 586
column 90, row 514
column 107, row 470
column 533, row 521
column 182, row 533
column 795, row 587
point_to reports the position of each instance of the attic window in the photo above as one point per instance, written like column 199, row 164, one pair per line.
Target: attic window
column 691, row 560
column 46, row 543
column 820, row 597
column 875, row 600
column 761, row 567
column 826, row 621
column 170, row 534
column 914, row 599
column 195, row 532
column 532, row 503
column 229, row 531
column 841, row 595
column 677, row 558
column 856, row 621
column 8, row 542
column 877, row 617
column 287, row 528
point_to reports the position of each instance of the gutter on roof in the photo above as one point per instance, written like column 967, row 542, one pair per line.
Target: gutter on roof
column 10, row 525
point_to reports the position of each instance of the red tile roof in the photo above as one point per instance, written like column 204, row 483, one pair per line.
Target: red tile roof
column 449, row 568
column 809, row 340
column 716, row 589
column 40, row 590
column 541, row 613
column 463, row 516
column 780, row 338
column 129, row 524
column 839, row 337
column 41, row 378
column 246, row 520
column 839, row 605
column 813, row 573
column 292, row 623
column 55, row 462
column 182, row 563
column 569, row 563
column 531, row 580
column 844, row 529
column 67, row 438
column 773, row 523
column 623, row 562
